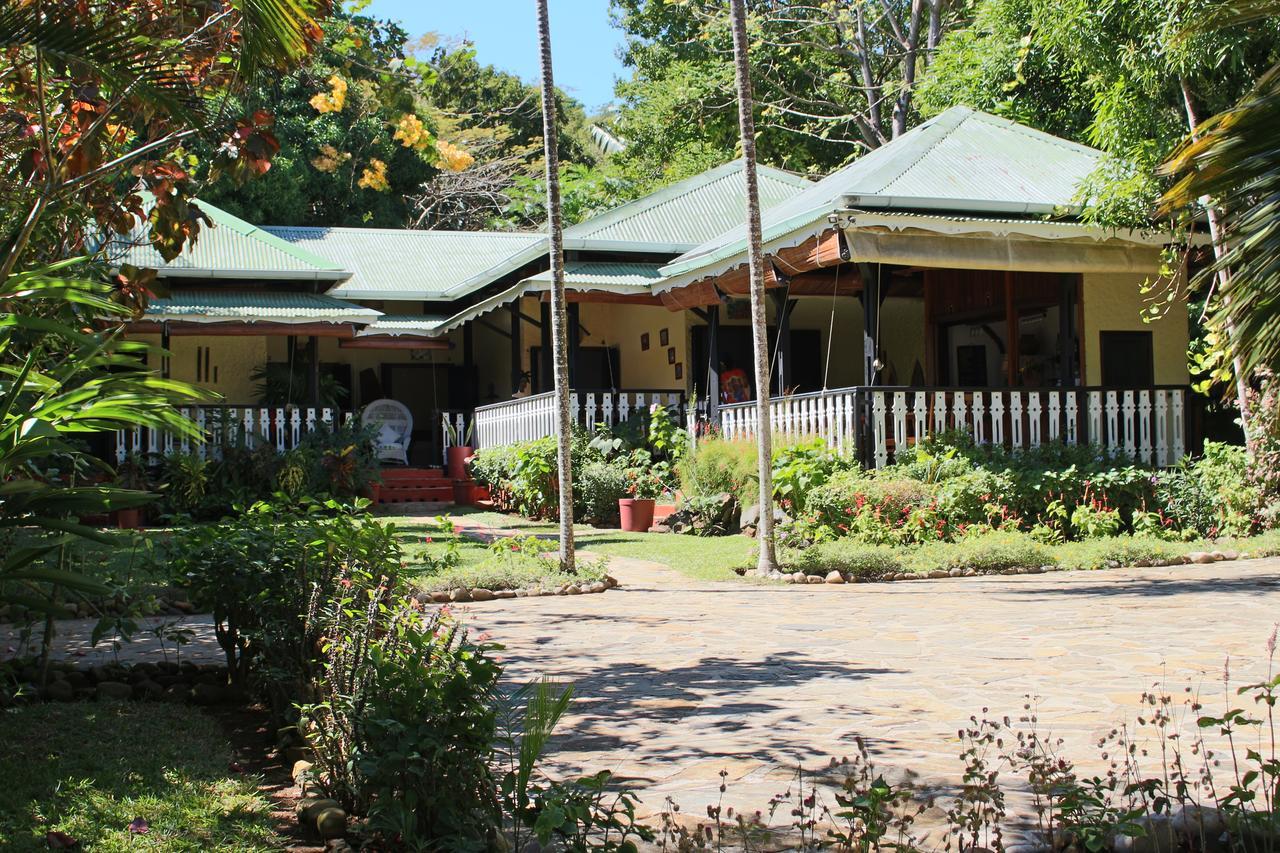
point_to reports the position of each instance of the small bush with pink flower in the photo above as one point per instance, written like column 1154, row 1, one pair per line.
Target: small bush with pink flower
column 1058, row 493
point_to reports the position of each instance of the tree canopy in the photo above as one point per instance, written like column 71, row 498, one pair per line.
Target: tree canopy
column 832, row 80
column 1120, row 75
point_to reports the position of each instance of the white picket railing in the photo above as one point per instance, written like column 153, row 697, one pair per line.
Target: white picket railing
column 512, row 421
column 251, row 427
column 1147, row 424
column 831, row 415
column 528, row 418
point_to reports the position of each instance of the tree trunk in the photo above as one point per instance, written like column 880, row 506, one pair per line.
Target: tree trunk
column 559, row 337
column 768, row 561
column 1224, row 275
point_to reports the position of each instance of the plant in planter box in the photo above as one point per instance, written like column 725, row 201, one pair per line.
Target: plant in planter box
column 645, row 486
column 460, row 447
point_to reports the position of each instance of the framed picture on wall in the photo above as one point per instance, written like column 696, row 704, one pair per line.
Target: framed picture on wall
column 671, row 355
column 644, row 342
column 664, row 338
column 679, row 370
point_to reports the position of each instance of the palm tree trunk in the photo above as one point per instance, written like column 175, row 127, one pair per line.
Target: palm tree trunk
column 559, row 323
column 768, row 561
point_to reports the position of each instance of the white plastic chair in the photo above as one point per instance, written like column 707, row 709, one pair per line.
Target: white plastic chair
column 395, row 429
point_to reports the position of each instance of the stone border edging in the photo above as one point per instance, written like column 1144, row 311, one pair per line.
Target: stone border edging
column 463, row 594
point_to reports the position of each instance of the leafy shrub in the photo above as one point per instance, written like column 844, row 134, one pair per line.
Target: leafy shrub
column 406, row 722
column 800, row 468
column 523, row 477
column 718, row 466
column 256, row 574
column 600, row 487
column 1212, row 495
column 874, row 508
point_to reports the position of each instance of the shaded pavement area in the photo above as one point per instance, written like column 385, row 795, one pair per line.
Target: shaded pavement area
column 677, row 680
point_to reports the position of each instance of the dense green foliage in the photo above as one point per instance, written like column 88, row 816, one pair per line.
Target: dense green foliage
column 1121, row 76
column 637, row 458
column 256, row 574
column 831, row 80
column 102, row 102
column 951, row 489
column 315, row 611
column 325, row 149
column 329, row 462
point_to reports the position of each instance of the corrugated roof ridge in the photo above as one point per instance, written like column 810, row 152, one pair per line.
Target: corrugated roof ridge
column 1036, row 133
column 946, row 122
column 314, row 229
column 255, row 232
column 673, row 192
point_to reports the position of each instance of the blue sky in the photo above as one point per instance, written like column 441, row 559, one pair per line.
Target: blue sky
column 505, row 34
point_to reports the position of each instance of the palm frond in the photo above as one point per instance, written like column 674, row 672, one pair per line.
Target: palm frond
column 1235, row 13
column 110, row 46
column 275, row 33
column 1235, row 163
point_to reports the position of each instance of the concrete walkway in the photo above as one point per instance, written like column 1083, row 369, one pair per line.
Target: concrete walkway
column 677, row 681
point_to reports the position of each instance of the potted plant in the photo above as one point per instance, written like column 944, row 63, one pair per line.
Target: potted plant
column 636, row 512
column 460, row 449
column 131, row 474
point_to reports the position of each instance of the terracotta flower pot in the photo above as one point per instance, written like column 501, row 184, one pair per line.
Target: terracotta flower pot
column 636, row 513
column 458, row 457
column 128, row 519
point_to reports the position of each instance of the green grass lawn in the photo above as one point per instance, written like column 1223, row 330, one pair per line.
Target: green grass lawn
column 702, row 558
column 88, row 769
column 707, row 558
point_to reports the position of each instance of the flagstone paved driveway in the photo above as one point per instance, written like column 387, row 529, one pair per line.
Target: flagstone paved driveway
column 677, row 680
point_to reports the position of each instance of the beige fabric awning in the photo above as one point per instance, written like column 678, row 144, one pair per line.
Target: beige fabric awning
column 988, row 243
column 911, row 247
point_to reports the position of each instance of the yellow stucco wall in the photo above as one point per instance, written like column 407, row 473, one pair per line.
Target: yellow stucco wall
column 1114, row 302
column 231, row 363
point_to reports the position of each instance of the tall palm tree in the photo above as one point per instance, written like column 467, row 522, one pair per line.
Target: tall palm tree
column 768, row 560
column 559, row 323
column 1230, row 167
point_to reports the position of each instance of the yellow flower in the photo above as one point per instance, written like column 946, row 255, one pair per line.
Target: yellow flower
column 375, row 177
column 452, row 157
column 329, row 158
column 333, row 100
column 412, row 133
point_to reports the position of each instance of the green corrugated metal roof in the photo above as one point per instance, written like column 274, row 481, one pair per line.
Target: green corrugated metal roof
column 256, row 305
column 403, row 324
column 961, row 161
column 230, row 248
column 603, row 275
column 678, row 217
column 615, row 277
column 393, row 263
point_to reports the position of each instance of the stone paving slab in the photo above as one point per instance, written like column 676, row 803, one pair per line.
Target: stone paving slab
column 677, row 680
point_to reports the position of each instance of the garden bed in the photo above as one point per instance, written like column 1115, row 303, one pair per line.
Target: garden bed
column 1006, row 553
